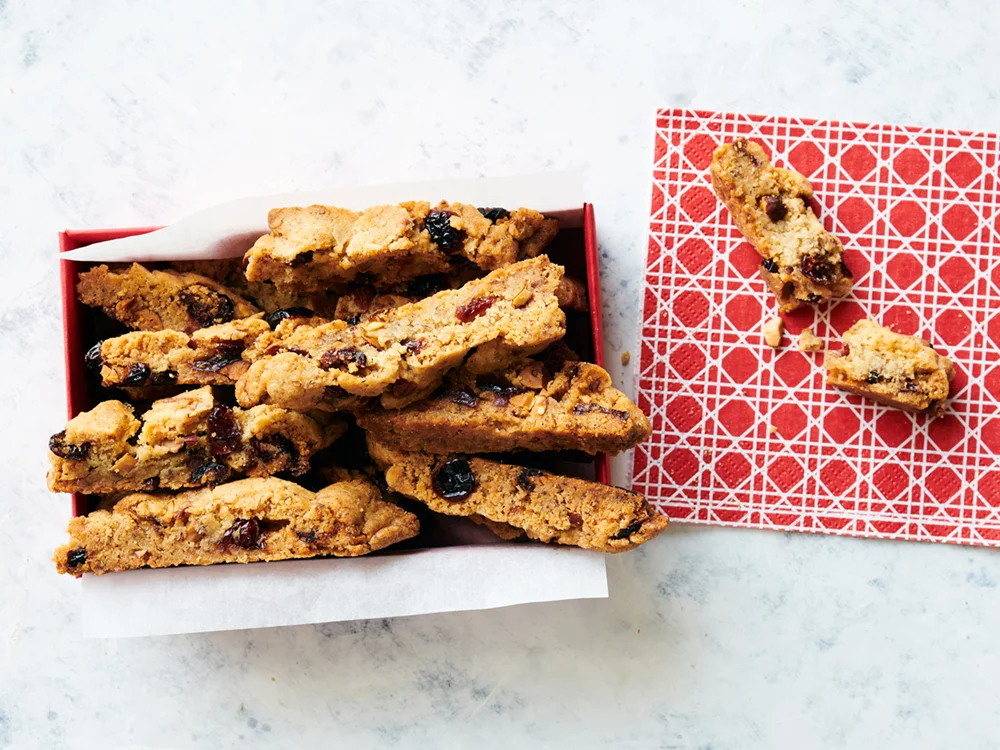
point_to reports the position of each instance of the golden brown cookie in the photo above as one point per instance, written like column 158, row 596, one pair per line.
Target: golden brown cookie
column 241, row 522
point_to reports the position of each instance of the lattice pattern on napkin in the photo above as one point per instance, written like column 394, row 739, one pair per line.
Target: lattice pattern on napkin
column 919, row 212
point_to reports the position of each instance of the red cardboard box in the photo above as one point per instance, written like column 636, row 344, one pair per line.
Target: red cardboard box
column 575, row 247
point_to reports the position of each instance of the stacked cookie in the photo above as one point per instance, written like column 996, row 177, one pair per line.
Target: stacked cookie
column 438, row 331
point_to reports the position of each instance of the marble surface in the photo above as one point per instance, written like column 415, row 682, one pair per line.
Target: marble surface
column 118, row 114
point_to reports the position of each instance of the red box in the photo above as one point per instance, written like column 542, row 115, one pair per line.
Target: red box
column 575, row 247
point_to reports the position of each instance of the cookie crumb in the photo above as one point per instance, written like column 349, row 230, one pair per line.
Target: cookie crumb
column 809, row 341
column 772, row 430
column 772, row 332
column 626, row 358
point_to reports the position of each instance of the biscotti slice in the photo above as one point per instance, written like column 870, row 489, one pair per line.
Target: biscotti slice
column 531, row 406
column 161, row 300
column 267, row 295
column 189, row 440
column 311, row 247
column 802, row 262
column 891, row 368
column 209, row 356
column 240, row 522
column 549, row 508
column 402, row 354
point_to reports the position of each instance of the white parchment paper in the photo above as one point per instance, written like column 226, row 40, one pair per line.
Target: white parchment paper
column 228, row 230
column 295, row 592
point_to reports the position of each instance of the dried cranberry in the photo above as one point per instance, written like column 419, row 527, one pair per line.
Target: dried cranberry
column 774, row 207
column 309, row 537
column 910, row 387
column 874, row 377
column 210, row 473
column 524, row 479
column 575, row 520
column 454, row 480
column 424, row 286
column 223, row 431
column 226, row 353
column 494, row 214
column 814, row 299
column 741, row 146
column 345, row 356
column 76, row 557
column 585, row 408
column 206, row 306
column 628, row 530
column 69, row 451
column 353, row 320
column 442, row 232
column 276, row 448
column 465, row 397
column 163, row 377
column 364, row 295
column 245, row 534
column 334, row 393
column 501, row 392
column 289, row 312
column 817, row 270
column 474, row 308
column 415, row 346
column 769, row 265
column 301, row 259
column 151, row 484
column 138, row 373
column 93, row 357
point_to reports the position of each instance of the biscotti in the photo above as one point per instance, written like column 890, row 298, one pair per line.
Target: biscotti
column 311, row 247
column 547, row 507
column 147, row 300
column 891, row 368
column 239, row 522
column 189, row 440
column 802, row 262
column 533, row 405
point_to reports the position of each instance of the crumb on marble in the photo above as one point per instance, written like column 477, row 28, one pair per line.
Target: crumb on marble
column 626, row 358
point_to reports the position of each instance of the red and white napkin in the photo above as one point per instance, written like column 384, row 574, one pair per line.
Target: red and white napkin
column 744, row 435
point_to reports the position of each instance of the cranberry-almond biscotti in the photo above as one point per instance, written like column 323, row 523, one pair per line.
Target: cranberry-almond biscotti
column 891, row 368
column 554, row 403
column 802, row 262
column 547, row 507
column 161, row 300
column 189, row 440
column 310, row 363
column 311, row 247
column 239, row 522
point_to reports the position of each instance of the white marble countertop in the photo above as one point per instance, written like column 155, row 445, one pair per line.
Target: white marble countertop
column 116, row 114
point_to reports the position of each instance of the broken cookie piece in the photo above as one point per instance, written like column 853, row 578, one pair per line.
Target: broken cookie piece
column 548, row 507
column 314, row 246
column 189, row 440
column 147, row 300
column 773, row 329
column 238, row 522
column 891, row 368
column 809, row 341
column 550, row 403
column 802, row 262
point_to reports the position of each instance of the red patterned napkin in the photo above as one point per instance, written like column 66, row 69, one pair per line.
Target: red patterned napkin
column 748, row 436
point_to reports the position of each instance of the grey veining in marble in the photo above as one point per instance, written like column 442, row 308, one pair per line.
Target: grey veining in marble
column 121, row 113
